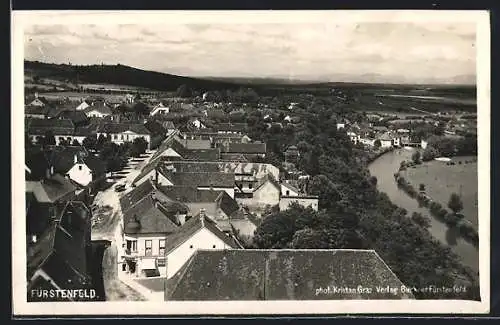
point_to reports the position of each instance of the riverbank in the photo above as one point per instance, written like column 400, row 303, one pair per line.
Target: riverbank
column 383, row 169
column 452, row 220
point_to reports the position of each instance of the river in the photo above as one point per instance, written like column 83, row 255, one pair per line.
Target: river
column 384, row 168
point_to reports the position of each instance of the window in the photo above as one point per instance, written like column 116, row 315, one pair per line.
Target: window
column 149, row 248
column 161, row 262
column 79, row 167
column 161, row 250
column 287, row 193
column 132, row 246
column 250, row 185
column 121, row 136
column 213, row 246
column 115, row 136
column 190, row 246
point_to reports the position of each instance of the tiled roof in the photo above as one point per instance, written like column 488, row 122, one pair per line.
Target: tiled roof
column 50, row 190
column 217, row 179
column 268, row 274
column 245, row 148
column 150, row 216
column 202, row 154
column 192, row 226
column 189, row 194
column 233, row 157
column 57, row 126
column 195, row 144
column 36, row 110
column 227, row 204
column 134, row 196
column 55, row 248
column 116, row 128
column 77, row 117
column 385, row 137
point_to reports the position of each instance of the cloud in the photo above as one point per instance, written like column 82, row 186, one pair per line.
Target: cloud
column 316, row 50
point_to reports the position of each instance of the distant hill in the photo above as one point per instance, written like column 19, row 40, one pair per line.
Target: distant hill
column 120, row 75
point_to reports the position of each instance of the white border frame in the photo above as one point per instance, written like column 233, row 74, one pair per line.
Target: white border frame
column 22, row 307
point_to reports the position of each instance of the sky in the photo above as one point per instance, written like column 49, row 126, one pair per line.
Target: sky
column 399, row 52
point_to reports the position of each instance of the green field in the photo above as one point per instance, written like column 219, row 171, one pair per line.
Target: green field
column 441, row 180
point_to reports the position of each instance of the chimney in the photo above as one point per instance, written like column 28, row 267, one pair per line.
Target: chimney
column 47, row 173
column 75, row 160
column 36, row 95
column 33, row 239
column 51, row 170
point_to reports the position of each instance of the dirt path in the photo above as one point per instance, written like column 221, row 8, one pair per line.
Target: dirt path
column 115, row 289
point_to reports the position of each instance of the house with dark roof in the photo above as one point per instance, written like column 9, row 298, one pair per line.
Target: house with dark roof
column 217, row 181
column 147, row 224
column 98, row 109
column 38, row 101
column 266, row 192
column 284, row 274
column 77, row 117
column 40, row 112
column 217, row 205
column 199, row 232
column 124, row 132
column 386, row 140
column 60, row 128
column 59, row 257
column 249, row 150
column 79, row 165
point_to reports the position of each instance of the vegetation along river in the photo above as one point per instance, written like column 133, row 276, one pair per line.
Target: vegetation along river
column 384, row 168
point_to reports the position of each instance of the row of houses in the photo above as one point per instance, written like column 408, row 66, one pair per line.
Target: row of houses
column 191, row 182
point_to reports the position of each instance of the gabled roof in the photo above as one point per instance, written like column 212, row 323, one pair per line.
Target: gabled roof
column 189, row 194
column 169, row 125
column 61, row 256
column 63, row 159
column 100, row 107
column 227, row 204
column 191, row 227
column 195, row 143
column 282, row 274
column 134, row 196
column 267, row 178
column 50, row 190
column 202, row 154
column 77, row 117
column 150, row 216
column 245, row 148
column 116, row 128
column 217, row 179
column 290, row 187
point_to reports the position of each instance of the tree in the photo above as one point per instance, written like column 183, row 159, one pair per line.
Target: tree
column 309, row 238
column 416, row 157
column 184, row 91
column 455, row 203
column 429, row 153
column 101, row 140
column 90, row 142
column 421, row 220
column 139, row 146
column 48, row 138
column 377, row 143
